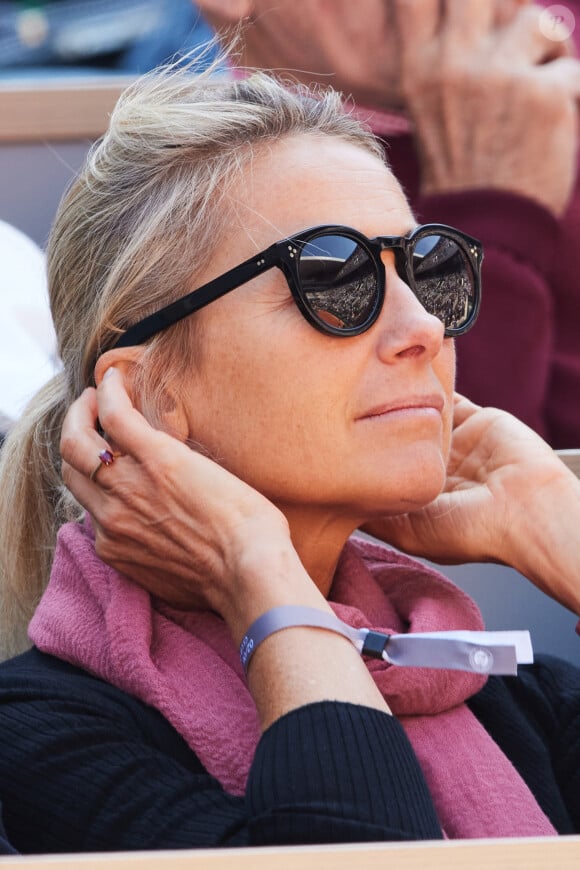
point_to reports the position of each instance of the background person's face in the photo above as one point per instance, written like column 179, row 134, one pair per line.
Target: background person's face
column 316, row 422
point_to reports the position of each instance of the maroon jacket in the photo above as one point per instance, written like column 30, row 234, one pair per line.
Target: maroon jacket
column 523, row 354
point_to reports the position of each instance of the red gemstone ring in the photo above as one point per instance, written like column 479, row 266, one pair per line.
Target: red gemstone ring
column 106, row 457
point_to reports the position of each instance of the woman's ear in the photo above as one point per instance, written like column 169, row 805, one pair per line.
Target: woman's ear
column 127, row 361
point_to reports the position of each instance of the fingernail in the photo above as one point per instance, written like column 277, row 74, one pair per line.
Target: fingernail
column 109, row 372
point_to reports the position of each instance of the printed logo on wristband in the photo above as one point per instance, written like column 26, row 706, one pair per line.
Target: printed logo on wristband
column 246, row 649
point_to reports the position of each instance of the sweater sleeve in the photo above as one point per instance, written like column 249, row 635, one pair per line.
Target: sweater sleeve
column 330, row 772
column 84, row 767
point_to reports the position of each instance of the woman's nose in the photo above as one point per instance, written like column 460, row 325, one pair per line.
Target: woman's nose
column 406, row 329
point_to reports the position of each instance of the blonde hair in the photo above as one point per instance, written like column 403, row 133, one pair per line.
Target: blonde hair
column 141, row 219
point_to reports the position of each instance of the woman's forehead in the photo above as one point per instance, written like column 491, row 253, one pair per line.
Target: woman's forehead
column 307, row 180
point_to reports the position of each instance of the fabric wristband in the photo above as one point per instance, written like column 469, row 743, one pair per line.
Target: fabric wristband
column 482, row 652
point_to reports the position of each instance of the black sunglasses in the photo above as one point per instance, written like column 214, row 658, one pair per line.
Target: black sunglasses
column 337, row 279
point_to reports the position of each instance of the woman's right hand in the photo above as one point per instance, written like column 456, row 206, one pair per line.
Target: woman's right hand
column 171, row 519
column 195, row 535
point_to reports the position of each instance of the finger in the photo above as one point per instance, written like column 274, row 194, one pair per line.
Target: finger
column 83, row 413
column 125, row 426
column 417, row 23
column 463, row 408
column 80, row 442
column 467, row 22
column 86, row 491
column 460, row 400
column 141, row 444
column 529, row 39
column 506, row 10
column 562, row 75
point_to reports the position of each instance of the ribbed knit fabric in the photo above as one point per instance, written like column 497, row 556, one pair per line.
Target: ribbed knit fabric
column 171, row 659
column 548, row 753
column 86, row 767
column 344, row 788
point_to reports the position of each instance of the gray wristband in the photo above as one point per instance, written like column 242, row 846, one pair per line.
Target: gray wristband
column 484, row 652
column 288, row 617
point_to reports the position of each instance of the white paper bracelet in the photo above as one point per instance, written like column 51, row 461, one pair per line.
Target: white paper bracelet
column 483, row 652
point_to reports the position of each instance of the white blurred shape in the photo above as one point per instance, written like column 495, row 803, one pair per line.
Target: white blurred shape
column 27, row 340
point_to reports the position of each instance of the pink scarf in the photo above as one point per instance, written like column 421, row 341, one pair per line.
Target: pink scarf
column 186, row 666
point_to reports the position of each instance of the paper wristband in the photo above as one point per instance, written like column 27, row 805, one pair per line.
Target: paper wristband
column 481, row 652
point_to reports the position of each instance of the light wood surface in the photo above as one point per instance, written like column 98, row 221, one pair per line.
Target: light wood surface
column 57, row 109
column 572, row 459
column 562, row 853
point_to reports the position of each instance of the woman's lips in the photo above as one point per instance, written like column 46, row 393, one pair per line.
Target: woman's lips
column 409, row 406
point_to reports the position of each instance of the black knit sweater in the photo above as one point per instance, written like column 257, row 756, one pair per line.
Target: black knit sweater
column 86, row 767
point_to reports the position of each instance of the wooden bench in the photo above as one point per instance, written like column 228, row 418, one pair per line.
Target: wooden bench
column 562, row 853
column 46, row 128
column 572, row 459
column 46, row 109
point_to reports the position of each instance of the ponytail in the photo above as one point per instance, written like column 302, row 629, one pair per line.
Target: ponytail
column 33, row 505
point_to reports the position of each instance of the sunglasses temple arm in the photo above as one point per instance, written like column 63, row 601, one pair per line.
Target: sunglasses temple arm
column 195, row 300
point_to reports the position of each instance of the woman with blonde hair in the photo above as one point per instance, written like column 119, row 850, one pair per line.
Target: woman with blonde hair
column 216, row 661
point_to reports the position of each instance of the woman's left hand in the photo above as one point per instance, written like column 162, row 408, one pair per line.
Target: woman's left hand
column 508, row 498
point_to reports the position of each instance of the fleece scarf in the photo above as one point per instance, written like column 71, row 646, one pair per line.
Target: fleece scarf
column 186, row 666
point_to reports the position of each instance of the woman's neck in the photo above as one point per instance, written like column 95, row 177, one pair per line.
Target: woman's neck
column 319, row 539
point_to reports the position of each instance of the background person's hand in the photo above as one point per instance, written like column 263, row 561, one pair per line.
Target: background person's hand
column 508, row 499
column 493, row 99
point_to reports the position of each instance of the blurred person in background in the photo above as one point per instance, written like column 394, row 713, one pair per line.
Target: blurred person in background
column 62, row 36
column 476, row 101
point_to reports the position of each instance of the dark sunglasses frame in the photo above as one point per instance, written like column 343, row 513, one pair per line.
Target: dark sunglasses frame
column 284, row 255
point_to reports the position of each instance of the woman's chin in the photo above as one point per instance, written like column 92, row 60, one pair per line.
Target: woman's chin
column 414, row 478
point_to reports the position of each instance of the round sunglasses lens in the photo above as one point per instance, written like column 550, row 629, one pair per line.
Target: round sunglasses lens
column 339, row 281
column 444, row 280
